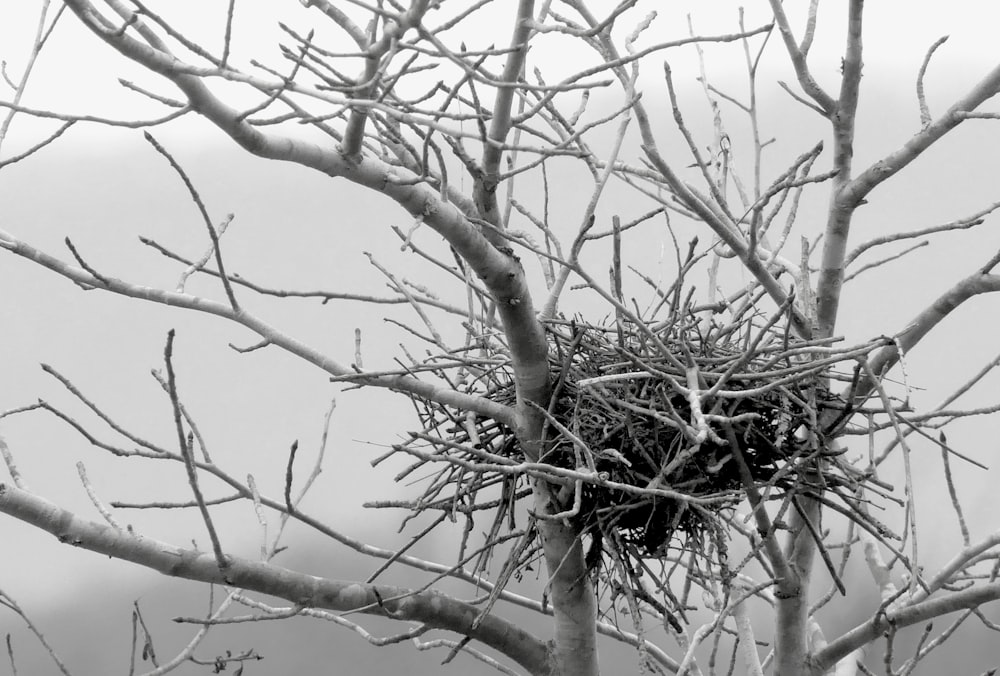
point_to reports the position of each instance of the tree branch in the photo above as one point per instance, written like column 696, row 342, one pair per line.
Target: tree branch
column 849, row 194
column 429, row 607
column 891, row 164
column 898, row 618
column 725, row 230
column 499, row 270
column 399, row 383
column 500, row 123
column 977, row 283
column 798, row 58
column 843, row 118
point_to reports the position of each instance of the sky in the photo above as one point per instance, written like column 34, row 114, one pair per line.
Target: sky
column 105, row 187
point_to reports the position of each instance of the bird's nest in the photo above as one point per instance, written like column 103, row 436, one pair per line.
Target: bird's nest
column 654, row 433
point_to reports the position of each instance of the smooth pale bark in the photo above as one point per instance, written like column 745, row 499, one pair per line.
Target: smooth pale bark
column 460, row 221
column 791, row 649
column 848, row 195
column 897, row 618
column 571, row 592
column 574, row 602
column 428, row 607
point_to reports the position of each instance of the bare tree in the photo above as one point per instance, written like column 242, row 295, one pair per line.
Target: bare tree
column 676, row 456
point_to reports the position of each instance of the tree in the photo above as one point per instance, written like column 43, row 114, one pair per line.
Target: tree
column 674, row 457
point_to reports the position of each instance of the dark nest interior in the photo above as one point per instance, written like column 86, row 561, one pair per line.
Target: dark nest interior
column 655, row 432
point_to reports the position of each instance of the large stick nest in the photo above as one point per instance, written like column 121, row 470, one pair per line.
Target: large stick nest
column 654, row 433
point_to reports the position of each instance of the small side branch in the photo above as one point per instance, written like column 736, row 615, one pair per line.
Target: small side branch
column 798, row 57
column 214, row 236
column 925, row 111
column 187, row 452
column 8, row 602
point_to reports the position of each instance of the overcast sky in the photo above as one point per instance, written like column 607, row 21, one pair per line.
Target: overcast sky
column 104, row 188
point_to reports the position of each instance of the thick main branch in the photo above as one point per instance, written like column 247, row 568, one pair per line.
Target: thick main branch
column 428, row 607
column 849, row 194
column 573, row 601
column 501, row 273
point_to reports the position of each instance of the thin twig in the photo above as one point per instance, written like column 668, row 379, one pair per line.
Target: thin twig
column 186, row 451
